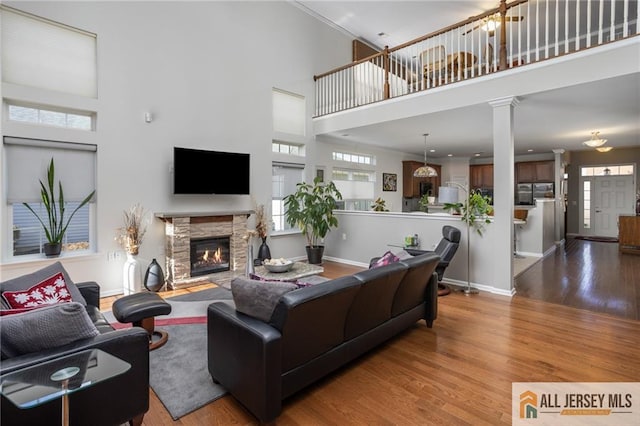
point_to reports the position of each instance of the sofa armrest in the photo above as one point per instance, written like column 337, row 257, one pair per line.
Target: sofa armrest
column 91, row 292
column 128, row 393
column 245, row 357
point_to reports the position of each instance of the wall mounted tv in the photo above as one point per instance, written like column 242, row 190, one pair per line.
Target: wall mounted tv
column 198, row 171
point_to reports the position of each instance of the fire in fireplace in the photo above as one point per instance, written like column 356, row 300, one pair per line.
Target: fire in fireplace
column 209, row 255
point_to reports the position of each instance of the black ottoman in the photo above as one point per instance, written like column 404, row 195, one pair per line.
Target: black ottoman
column 140, row 309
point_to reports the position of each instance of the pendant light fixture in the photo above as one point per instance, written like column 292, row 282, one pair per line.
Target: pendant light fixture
column 595, row 140
column 425, row 171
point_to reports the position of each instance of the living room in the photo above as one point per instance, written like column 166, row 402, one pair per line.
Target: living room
column 168, row 59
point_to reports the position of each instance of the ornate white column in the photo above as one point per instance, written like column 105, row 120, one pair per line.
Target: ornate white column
column 559, row 196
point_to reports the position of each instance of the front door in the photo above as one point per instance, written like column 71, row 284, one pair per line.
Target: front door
column 612, row 196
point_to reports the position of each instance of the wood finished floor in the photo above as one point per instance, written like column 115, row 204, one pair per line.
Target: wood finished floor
column 461, row 370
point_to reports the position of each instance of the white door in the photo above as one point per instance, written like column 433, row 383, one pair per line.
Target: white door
column 612, row 196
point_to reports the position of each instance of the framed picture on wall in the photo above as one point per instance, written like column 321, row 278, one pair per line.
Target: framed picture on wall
column 320, row 174
column 389, row 182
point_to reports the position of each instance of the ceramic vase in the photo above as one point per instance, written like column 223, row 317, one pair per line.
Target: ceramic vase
column 263, row 251
column 249, row 268
column 132, row 275
column 154, row 277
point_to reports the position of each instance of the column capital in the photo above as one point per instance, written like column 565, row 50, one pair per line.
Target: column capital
column 506, row 101
column 558, row 151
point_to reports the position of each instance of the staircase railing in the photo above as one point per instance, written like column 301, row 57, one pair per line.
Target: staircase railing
column 511, row 35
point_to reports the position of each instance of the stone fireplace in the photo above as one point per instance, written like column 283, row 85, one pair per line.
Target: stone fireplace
column 203, row 247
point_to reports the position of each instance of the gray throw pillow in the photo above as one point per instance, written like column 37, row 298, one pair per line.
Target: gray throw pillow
column 27, row 281
column 258, row 298
column 44, row 328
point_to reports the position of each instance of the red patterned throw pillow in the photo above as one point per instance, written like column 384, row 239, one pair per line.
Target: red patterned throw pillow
column 51, row 291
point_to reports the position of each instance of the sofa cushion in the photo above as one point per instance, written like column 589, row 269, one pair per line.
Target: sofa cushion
column 44, row 328
column 49, row 291
column 258, row 298
column 386, row 259
column 26, row 281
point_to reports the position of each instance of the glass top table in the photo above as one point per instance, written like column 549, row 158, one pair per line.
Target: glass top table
column 57, row 378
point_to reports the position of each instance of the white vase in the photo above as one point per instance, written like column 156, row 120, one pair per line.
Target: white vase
column 132, row 275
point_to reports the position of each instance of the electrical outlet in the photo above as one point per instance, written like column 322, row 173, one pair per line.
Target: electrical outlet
column 118, row 255
column 344, row 236
column 111, row 256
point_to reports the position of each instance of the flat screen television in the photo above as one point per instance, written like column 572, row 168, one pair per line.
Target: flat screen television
column 198, row 171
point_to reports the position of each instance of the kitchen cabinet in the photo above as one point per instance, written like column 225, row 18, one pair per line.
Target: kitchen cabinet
column 411, row 185
column 535, row 171
column 629, row 234
column 481, row 176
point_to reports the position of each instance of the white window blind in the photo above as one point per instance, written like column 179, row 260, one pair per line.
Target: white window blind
column 40, row 53
column 288, row 113
column 26, row 163
column 285, row 177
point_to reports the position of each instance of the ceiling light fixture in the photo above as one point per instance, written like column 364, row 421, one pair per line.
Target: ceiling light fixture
column 491, row 24
column 595, row 140
column 604, row 148
column 425, row 171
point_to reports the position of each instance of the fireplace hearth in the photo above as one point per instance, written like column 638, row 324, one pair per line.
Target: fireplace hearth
column 209, row 255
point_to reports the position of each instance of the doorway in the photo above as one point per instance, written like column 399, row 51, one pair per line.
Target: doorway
column 607, row 192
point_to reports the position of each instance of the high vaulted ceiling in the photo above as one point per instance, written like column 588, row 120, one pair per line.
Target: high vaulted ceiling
column 547, row 120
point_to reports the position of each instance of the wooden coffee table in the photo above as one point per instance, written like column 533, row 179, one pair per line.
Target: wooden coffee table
column 299, row 270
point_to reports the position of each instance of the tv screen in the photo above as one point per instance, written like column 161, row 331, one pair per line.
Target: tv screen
column 198, row 171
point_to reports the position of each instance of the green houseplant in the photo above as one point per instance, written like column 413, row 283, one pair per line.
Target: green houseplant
column 379, row 205
column 310, row 208
column 55, row 224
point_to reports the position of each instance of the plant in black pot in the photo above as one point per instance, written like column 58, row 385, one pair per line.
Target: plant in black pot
column 55, row 224
column 310, row 208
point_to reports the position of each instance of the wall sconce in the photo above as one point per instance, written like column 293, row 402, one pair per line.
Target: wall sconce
column 148, row 117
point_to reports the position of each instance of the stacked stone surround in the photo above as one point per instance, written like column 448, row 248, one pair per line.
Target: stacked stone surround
column 180, row 228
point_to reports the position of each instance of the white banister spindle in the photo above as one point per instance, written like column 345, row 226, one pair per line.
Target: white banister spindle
column 546, row 30
column 588, row 36
column 528, row 32
column 612, row 28
column 577, row 26
column 520, row 34
column 566, row 26
column 637, row 17
column 537, row 42
column 557, row 28
column 625, row 24
column 600, row 20
column 511, row 61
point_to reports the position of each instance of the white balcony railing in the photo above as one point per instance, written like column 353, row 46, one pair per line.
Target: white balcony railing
column 511, row 35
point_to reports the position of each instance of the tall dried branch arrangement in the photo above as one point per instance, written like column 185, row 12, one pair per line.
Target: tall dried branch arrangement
column 135, row 226
column 261, row 222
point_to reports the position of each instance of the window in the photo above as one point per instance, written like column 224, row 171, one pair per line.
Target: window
column 356, row 186
column 285, row 177
column 354, row 158
column 40, row 53
column 50, row 117
column 611, row 170
column 74, row 167
column 288, row 148
column 586, row 208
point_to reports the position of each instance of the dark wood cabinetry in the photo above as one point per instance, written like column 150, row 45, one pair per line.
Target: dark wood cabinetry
column 535, row 171
column 629, row 234
column 481, row 176
column 411, row 185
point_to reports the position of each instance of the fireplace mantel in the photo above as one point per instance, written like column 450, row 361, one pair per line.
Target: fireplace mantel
column 181, row 227
column 171, row 215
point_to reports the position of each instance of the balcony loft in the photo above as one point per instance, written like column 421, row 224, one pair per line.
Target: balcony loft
column 519, row 48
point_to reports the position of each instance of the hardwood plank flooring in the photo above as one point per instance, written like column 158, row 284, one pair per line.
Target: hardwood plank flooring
column 458, row 372
column 587, row 275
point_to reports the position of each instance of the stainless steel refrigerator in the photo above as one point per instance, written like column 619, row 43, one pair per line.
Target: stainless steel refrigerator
column 543, row 190
column 524, row 194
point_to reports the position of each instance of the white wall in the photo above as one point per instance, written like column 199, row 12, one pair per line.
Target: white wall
column 205, row 70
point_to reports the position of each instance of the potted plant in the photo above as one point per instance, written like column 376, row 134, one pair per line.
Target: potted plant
column 56, row 225
column 261, row 229
column 379, row 205
column 310, row 208
column 453, row 208
column 478, row 206
column 424, row 203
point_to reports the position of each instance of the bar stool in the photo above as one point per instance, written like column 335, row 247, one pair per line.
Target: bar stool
column 519, row 218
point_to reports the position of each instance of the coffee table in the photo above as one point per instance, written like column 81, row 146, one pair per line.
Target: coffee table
column 299, row 270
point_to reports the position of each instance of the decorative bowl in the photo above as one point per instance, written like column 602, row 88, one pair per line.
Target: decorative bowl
column 279, row 267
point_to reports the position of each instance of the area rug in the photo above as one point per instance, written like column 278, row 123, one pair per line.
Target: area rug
column 178, row 371
column 598, row 239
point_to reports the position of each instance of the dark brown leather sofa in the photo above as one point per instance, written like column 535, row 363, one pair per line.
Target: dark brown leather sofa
column 315, row 330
